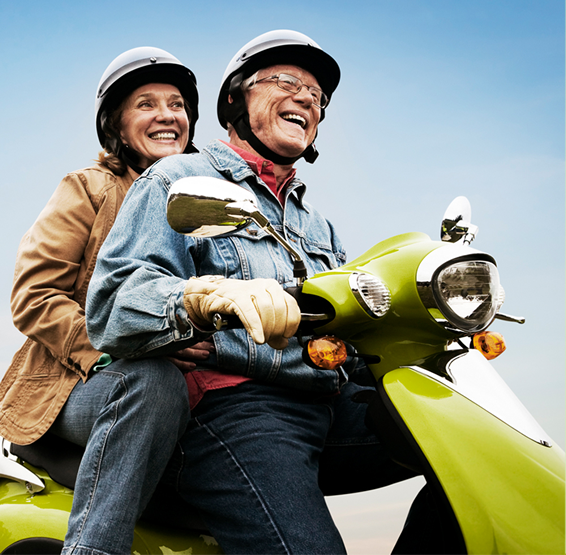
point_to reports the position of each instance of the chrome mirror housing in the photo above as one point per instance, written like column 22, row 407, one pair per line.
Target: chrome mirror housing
column 457, row 222
column 202, row 206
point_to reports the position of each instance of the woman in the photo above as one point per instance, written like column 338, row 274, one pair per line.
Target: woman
column 146, row 109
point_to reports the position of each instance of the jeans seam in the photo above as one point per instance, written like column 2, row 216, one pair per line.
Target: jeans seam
column 180, row 469
column 100, row 456
column 82, row 549
column 250, row 483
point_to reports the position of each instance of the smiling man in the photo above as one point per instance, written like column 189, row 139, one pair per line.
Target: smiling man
column 270, row 435
column 284, row 115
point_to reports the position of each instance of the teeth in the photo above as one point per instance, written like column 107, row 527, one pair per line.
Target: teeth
column 294, row 118
column 163, row 136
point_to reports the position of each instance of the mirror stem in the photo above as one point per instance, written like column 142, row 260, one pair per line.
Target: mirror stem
column 299, row 269
column 470, row 234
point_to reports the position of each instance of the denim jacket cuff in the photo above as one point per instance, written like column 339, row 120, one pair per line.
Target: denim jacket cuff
column 182, row 326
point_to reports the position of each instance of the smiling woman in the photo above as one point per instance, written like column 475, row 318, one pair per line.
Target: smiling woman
column 143, row 92
column 153, row 122
column 58, row 383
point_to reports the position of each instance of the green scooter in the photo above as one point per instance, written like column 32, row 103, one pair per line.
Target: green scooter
column 417, row 312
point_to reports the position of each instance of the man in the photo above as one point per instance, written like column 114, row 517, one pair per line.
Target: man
column 269, row 436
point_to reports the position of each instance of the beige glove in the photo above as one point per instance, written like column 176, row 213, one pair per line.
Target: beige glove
column 269, row 314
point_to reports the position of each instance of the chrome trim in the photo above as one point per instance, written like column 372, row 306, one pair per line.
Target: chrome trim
column 429, row 265
column 220, row 322
column 13, row 470
column 509, row 318
column 353, row 281
column 468, row 373
column 447, row 252
column 308, row 317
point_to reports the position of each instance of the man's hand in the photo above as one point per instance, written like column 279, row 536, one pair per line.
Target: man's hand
column 186, row 359
column 269, row 314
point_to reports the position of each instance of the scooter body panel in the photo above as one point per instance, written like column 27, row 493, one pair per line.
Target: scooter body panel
column 150, row 539
column 394, row 262
column 24, row 515
column 506, row 490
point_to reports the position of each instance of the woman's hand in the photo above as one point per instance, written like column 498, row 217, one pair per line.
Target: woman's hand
column 186, row 359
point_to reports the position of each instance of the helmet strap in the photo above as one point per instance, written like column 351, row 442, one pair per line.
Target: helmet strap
column 310, row 154
column 244, row 130
column 190, row 148
column 130, row 157
column 114, row 144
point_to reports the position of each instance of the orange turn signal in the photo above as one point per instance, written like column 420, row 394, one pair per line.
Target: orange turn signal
column 327, row 352
column 489, row 343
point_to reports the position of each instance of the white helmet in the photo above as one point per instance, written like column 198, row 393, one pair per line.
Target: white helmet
column 273, row 48
column 132, row 69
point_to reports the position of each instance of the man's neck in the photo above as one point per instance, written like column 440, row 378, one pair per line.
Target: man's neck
column 281, row 172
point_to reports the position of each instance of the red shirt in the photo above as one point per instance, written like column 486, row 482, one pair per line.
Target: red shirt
column 201, row 381
column 264, row 170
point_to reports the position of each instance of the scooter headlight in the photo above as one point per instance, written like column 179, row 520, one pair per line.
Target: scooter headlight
column 463, row 292
column 372, row 294
column 467, row 293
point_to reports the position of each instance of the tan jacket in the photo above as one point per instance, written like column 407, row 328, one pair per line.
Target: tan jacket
column 54, row 265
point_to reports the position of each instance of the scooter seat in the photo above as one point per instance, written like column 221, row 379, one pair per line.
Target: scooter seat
column 58, row 457
column 61, row 459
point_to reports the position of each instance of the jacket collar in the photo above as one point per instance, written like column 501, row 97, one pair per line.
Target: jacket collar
column 226, row 161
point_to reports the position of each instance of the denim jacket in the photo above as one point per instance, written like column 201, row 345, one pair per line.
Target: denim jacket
column 135, row 299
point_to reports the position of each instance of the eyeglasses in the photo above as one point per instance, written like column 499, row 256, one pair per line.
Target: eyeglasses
column 294, row 85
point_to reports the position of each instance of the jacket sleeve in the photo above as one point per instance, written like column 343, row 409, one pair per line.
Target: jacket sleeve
column 49, row 260
column 135, row 299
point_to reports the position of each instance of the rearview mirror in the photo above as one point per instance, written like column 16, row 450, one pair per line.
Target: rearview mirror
column 202, row 206
column 457, row 222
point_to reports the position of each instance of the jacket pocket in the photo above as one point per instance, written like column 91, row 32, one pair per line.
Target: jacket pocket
column 321, row 257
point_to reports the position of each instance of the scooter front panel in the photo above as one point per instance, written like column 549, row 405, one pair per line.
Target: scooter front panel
column 471, row 375
column 506, row 491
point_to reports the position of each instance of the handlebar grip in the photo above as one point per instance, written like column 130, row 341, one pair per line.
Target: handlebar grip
column 230, row 322
column 226, row 322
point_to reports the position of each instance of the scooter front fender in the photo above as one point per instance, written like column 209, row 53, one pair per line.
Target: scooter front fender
column 505, row 489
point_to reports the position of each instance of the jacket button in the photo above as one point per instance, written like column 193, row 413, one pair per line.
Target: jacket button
column 70, row 361
column 77, row 366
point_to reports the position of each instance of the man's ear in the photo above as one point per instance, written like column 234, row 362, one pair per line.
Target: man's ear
column 230, row 99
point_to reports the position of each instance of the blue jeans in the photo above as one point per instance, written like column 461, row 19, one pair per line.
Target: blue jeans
column 129, row 416
column 258, row 460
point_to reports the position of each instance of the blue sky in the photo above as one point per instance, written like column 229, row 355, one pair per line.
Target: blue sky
column 438, row 98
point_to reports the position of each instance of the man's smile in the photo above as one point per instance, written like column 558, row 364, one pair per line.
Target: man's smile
column 295, row 118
